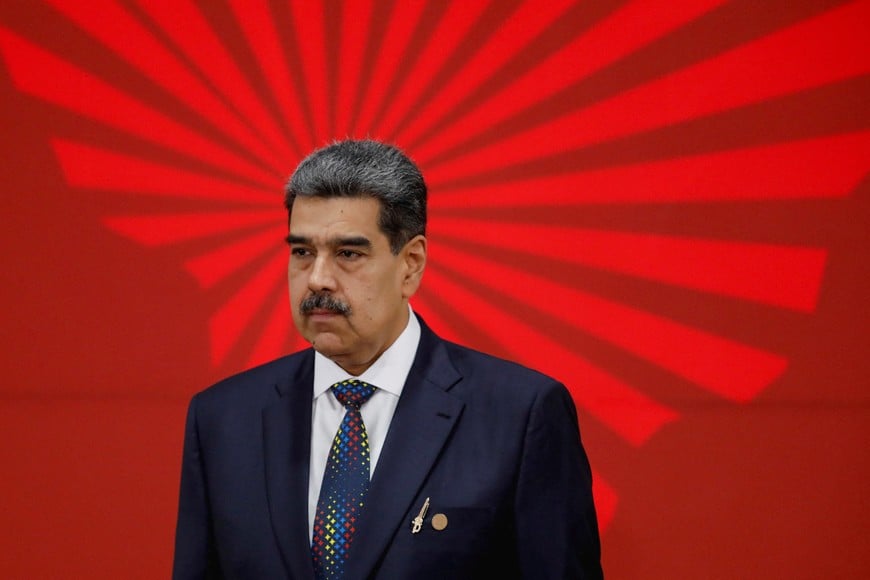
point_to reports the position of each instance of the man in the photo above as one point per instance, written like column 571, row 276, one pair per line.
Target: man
column 383, row 451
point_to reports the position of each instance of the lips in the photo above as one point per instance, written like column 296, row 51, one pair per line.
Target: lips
column 323, row 312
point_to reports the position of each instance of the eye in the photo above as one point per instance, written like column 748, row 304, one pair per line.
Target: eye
column 300, row 252
column 348, row 254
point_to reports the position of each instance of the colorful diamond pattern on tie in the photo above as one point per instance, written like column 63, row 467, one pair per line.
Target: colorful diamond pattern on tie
column 345, row 483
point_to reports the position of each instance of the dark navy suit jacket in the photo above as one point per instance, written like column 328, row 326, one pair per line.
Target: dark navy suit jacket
column 495, row 446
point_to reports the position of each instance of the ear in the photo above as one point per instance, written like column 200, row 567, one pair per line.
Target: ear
column 414, row 258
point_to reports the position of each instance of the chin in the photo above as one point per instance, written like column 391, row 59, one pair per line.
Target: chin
column 328, row 346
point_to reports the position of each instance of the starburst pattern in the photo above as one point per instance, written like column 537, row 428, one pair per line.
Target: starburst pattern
column 587, row 164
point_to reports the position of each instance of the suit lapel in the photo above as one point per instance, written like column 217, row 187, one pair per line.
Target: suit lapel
column 424, row 419
column 287, row 445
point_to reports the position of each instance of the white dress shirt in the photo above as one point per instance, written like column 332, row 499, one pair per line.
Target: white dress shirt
column 388, row 373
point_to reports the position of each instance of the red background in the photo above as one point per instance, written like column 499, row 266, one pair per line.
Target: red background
column 664, row 204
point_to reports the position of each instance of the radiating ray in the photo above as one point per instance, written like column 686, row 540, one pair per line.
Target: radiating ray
column 404, row 19
column 95, row 168
column 606, row 499
column 355, row 30
column 260, row 31
column 310, row 32
column 628, row 412
column 725, row 367
column 454, row 25
column 278, row 332
column 185, row 25
column 632, row 26
column 783, row 276
column 422, row 305
column 770, row 67
column 230, row 320
column 214, row 266
column 815, row 168
column 158, row 230
column 127, row 38
column 38, row 73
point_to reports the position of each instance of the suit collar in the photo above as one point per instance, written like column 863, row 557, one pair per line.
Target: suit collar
column 424, row 418
column 287, row 445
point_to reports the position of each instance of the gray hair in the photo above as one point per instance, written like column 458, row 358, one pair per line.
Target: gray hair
column 366, row 168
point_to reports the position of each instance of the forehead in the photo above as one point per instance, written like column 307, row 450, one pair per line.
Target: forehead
column 322, row 216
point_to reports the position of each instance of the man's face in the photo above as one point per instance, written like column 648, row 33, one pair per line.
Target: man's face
column 348, row 292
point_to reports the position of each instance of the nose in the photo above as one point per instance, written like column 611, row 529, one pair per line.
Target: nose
column 321, row 278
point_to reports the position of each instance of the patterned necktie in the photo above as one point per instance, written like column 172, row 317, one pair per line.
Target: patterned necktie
column 345, row 483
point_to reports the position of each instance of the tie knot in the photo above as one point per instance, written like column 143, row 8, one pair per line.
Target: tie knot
column 353, row 393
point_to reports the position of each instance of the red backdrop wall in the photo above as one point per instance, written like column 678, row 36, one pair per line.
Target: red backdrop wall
column 664, row 204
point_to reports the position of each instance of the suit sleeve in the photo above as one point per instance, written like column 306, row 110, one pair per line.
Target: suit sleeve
column 195, row 556
column 557, row 530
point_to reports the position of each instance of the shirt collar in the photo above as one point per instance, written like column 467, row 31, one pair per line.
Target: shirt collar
column 388, row 372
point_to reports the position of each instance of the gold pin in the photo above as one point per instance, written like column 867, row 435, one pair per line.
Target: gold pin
column 439, row 522
column 417, row 523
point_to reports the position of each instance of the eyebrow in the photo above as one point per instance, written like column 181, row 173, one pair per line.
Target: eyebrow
column 355, row 241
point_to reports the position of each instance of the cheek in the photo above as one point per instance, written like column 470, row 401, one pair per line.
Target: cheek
column 365, row 299
column 295, row 289
column 298, row 290
column 373, row 306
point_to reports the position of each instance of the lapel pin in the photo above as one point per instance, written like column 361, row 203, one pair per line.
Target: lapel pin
column 417, row 523
column 439, row 522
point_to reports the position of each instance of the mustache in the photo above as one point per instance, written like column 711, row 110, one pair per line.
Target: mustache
column 324, row 301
